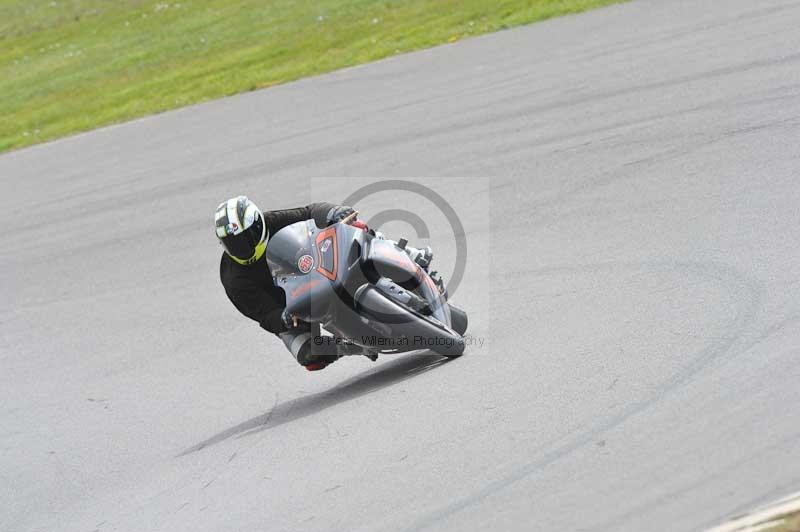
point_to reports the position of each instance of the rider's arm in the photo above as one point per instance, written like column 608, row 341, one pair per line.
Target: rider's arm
column 277, row 220
column 259, row 305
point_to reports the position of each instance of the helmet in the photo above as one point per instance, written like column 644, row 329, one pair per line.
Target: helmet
column 241, row 230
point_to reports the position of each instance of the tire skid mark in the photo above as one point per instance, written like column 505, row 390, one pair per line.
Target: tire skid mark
column 748, row 292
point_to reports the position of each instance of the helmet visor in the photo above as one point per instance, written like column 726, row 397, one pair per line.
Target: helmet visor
column 243, row 246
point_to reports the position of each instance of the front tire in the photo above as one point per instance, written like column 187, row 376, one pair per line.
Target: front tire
column 460, row 319
column 406, row 323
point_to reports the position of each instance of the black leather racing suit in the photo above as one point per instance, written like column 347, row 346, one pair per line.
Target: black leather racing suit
column 252, row 292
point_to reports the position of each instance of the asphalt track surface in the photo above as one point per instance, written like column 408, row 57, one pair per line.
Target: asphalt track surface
column 628, row 183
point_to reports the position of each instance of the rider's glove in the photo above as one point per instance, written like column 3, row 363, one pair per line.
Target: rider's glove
column 287, row 320
column 337, row 214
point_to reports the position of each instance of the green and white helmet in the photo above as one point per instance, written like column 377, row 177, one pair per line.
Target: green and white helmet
column 240, row 227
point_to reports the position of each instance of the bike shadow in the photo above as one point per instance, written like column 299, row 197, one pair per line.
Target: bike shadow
column 357, row 386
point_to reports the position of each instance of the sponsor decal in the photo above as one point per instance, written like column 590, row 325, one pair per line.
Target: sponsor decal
column 305, row 263
column 328, row 235
column 232, row 228
column 326, row 245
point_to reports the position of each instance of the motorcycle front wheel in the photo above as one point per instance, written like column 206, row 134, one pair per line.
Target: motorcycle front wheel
column 423, row 332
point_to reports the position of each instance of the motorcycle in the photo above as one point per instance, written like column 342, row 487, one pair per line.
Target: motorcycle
column 363, row 289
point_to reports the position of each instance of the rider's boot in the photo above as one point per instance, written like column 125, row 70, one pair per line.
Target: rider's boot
column 300, row 343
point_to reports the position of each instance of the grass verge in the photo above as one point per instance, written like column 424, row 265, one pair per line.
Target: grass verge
column 73, row 65
column 780, row 516
column 787, row 523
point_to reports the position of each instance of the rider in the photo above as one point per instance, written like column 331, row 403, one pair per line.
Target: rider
column 244, row 231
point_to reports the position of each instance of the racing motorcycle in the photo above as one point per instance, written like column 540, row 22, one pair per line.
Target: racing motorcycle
column 363, row 289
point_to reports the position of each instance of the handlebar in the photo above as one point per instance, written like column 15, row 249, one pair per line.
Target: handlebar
column 350, row 218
